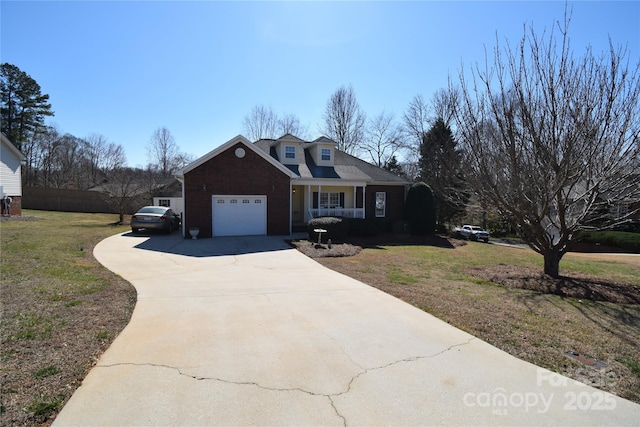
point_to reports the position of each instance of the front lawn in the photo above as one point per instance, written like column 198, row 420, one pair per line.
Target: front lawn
column 452, row 283
column 60, row 309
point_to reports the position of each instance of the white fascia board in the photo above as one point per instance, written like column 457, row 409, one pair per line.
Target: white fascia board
column 399, row 184
column 12, row 147
column 347, row 183
column 329, row 182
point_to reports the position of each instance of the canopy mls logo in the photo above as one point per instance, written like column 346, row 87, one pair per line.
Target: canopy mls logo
column 500, row 401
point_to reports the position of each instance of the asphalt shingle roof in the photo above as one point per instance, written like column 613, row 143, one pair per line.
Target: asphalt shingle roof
column 346, row 166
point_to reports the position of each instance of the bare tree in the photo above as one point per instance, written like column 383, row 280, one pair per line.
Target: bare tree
column 164, row 154
column 261, row 123
column 444, row 104
column 383, row 139
column 416, row 120
column 65, row 167
column 290, row 123
column 125, row 190
column 552, row 139
column 93, row 151
column 344, row 121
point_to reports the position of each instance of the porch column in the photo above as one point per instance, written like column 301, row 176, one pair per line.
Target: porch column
column 319, row 191
column 354, row 201
column 309, row 206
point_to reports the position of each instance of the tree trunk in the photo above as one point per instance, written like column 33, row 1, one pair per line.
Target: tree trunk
column 121, row 218
column 552, row 263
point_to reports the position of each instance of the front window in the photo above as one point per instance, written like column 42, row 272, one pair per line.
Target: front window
column 381, row 203
column 290, row 152
column 329, row 200
column 326, row 154
column 164, row 202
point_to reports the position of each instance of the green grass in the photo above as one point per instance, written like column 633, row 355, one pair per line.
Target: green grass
column 59, row 304
column 46, row 371
column 44, row 406
column 619, row 239
column 633, row 365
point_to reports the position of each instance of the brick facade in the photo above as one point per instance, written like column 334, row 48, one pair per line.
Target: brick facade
column 226, row 174
column 395, row 204
column 15, row 209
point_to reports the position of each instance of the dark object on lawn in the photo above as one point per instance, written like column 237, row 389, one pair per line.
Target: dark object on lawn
column 589, row 361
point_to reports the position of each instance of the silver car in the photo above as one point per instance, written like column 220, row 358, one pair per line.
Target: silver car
column 155, row 218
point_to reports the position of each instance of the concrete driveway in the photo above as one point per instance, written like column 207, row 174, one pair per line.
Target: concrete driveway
column 246, row 331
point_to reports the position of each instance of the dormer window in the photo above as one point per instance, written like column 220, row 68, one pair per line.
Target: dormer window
column 290, row 152
column 325, row 154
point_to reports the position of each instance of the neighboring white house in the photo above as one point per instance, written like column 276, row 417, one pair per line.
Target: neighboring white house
column 174, row 202
column 11, row 160
column 170, row 195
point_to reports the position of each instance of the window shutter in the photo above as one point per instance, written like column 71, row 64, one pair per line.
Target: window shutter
column 315, row 200
column 342, row 200
column 387, row 203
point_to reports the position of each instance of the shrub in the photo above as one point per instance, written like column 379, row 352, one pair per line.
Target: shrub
column 420, row 209
column 616, row 239
column 399, row 226
column 362, row 227
column 337, row 228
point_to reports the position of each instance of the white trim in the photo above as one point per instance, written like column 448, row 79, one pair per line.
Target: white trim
column 12, row 147
column 384, row 206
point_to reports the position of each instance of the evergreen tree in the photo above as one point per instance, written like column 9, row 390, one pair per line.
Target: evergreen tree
column 420, row 210
column 441, row 169
column 23, row 106
column 394, row 167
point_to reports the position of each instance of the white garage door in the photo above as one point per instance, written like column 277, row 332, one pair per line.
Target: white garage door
column 239, row 215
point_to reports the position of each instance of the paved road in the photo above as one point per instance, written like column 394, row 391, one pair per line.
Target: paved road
column 245, row 331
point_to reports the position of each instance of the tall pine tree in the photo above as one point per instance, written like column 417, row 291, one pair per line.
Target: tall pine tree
column 23, row 106
column 441, row 169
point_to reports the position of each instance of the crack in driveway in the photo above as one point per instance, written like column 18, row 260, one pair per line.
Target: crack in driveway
column 329, row 396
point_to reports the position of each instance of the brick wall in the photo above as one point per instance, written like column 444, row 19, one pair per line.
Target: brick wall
column 395, row 204
column 227, row 174
column 15, row 209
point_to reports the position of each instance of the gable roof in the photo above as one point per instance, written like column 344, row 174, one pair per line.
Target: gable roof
column 233, row 141
column 12, row 148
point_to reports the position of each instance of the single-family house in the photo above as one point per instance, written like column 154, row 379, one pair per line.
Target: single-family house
column 11, row 160
column 271, row 186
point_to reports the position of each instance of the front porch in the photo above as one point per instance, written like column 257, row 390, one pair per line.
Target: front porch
column 313, row 201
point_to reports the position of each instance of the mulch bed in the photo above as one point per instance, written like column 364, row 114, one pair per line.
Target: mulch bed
column 315, row 250
column 577, row 286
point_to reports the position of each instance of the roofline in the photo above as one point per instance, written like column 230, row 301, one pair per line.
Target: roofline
column 233, row 141
column 345, row 182
column 12, row 147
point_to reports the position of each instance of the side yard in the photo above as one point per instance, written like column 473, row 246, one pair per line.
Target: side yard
column 498, row 294
column 60, row 309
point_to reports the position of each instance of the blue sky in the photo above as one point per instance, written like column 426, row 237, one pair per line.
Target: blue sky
column 123, row 69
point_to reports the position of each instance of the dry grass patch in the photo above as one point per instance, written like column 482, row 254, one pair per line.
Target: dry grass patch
column 61, row 310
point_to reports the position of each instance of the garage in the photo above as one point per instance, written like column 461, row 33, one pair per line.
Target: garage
column 239, row 215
